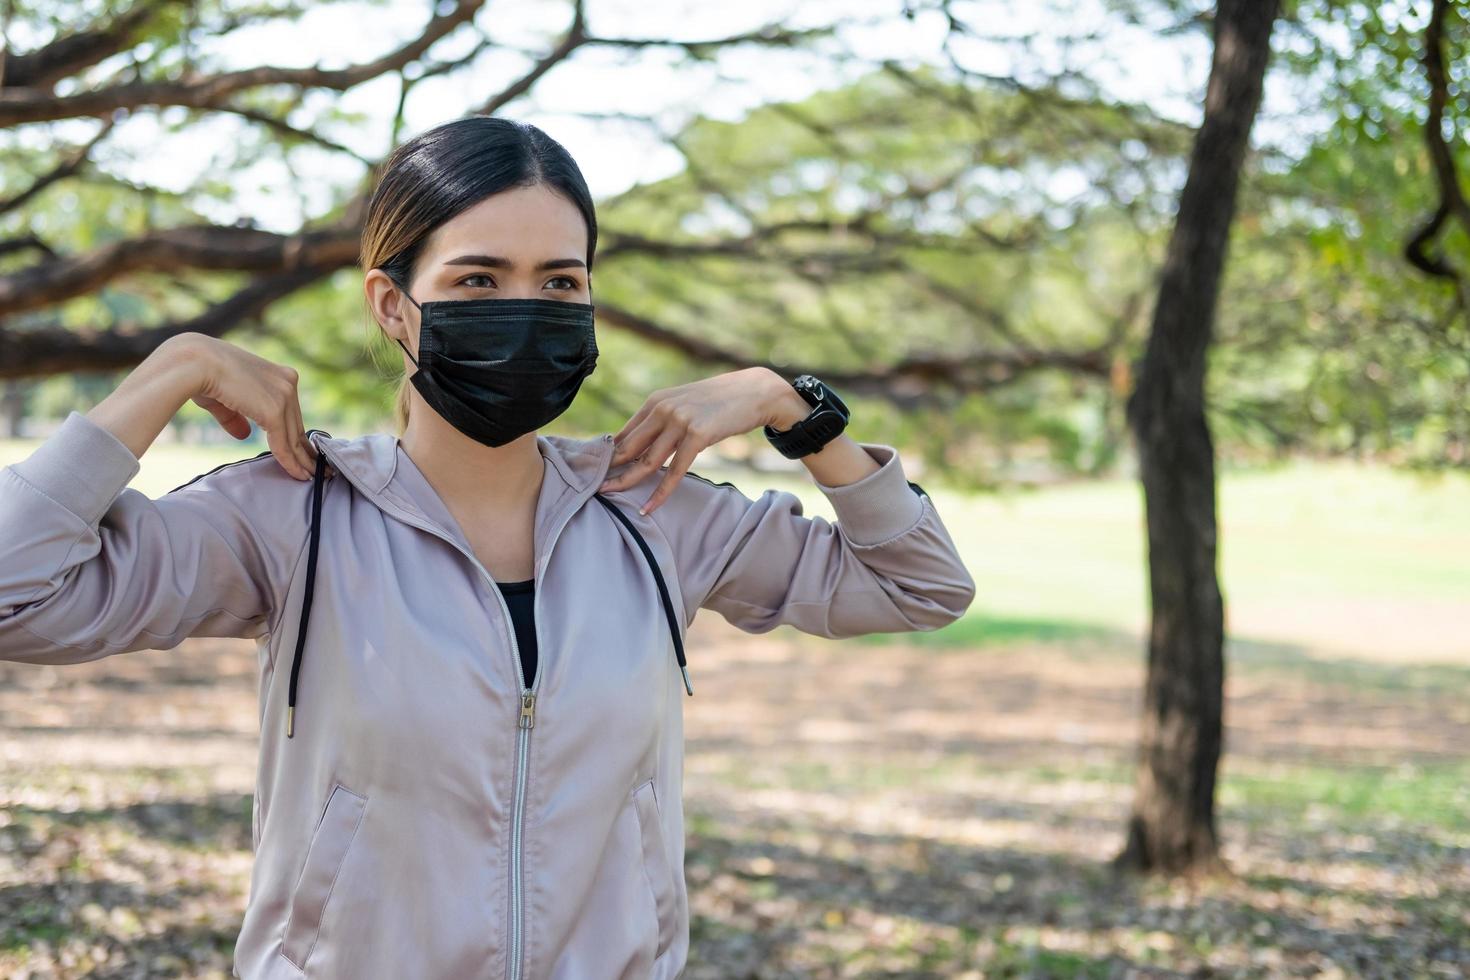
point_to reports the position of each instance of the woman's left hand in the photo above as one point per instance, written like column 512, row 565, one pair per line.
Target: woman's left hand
column 689, row 418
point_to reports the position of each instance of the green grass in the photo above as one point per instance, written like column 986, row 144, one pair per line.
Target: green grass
column 982, row 631
column 1422, row 794
column 1334, row 557
column 1360, row 675
column 1427, row 795
column 1025, row 957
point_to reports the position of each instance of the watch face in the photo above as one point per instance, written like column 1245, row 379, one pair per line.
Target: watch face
column 817, row 392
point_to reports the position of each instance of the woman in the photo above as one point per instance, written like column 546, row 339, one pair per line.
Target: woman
column 481, row 776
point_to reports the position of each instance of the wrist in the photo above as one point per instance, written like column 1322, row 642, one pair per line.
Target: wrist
column 785, row 407
column 180, row 368
column 187, row 357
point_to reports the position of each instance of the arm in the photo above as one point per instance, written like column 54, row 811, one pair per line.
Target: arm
column 887, row 564
column 92, row 568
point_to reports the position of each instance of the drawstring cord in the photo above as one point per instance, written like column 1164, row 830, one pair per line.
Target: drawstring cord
column 663, row 592
column 316, row 528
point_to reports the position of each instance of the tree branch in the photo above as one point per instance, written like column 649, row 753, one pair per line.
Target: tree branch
column 28, row 105
column 48, row 350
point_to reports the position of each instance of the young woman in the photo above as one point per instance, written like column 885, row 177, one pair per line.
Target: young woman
column 470, row 633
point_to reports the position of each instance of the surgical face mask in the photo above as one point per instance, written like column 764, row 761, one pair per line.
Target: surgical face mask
column 496, row 369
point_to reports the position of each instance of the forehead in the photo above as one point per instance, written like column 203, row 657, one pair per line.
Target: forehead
column 532, row 222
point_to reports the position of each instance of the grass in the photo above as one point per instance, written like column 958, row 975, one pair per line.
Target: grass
column 1332, row 557
column 1420, row 794
column 1424, row 794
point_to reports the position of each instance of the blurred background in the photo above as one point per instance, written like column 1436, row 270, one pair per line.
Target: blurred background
column 1164, row 303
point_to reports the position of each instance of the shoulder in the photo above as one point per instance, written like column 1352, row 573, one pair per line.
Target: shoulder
column 691, row 485
column 255, row 494
column 698, row 512
column 251, row 461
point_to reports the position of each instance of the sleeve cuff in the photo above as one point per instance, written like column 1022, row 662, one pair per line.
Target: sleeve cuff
column 81, row 466
column 880, row 506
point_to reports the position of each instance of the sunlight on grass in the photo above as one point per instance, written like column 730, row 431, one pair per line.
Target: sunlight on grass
column 1332, row 557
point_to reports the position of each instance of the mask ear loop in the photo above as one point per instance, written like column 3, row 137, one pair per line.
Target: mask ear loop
column 400, row 343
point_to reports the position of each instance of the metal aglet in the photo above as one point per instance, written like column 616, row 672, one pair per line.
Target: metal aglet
column 290, row 720
column 528, row 710
column 685, row 671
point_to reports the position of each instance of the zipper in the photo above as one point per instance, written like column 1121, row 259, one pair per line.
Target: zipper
column 525, row 720
column 524, row 724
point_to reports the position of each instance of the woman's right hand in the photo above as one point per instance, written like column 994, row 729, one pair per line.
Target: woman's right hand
column 237, row 386
column 229, row 382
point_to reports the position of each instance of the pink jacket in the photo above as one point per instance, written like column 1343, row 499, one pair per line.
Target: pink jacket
column 432, row 815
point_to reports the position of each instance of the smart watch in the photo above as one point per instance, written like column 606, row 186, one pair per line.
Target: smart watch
column 827, row 420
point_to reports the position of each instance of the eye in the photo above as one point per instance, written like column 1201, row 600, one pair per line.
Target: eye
column 571, row 283
column 479, row 275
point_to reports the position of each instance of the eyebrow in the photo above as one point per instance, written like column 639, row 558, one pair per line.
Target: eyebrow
column 501, row 262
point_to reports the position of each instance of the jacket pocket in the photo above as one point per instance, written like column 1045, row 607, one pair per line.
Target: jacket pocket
column 656, row 863
column 329, row 843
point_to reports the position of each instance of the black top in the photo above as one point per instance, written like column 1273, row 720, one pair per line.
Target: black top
column 519, row 596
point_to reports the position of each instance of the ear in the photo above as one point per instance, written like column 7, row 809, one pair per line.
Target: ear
column 396, row 316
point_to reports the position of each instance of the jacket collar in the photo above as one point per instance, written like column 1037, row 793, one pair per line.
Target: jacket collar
column 382, row 471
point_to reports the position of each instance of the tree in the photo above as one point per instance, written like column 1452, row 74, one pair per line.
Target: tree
column 1172, row 826
column 147, row 60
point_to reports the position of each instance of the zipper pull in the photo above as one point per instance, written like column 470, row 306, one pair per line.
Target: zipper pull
column 528, row 709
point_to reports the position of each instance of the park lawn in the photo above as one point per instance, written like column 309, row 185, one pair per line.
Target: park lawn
column 1329, row 558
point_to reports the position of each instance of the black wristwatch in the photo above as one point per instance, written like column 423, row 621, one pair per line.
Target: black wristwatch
column 828, row 418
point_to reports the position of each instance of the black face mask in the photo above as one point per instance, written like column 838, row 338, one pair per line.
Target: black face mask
column 499, row 368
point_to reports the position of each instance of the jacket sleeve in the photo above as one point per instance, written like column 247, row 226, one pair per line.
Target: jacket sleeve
column 887, row 564
column 92, row 567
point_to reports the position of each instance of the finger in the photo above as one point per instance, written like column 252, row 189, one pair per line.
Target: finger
column 638, row 439
column 652, row 403
column 230, row 420
column 651, row 460
column 632, row 423
column 634, row 437
column 305, row 450
column 281, row 448
column 683, row 459
column 291, row 440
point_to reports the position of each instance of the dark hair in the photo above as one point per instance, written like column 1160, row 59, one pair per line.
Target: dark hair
column 436, row 175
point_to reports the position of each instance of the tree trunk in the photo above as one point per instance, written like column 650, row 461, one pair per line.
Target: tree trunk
column 1172, row 826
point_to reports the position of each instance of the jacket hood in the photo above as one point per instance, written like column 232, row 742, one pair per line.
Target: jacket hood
column 371, row 460
column 381, row 469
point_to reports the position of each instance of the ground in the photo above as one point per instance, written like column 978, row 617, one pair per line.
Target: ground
column 854, row 810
